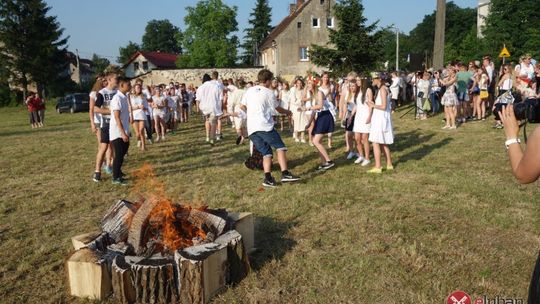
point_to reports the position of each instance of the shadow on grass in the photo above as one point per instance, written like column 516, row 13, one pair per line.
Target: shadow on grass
column 423, row 151
column 271, row 241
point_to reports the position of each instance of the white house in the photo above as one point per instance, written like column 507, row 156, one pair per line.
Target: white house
column 141, row 63
column 483, row 12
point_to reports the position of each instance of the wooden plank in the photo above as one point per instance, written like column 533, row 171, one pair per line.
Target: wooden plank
column 88, row 275
column 82, row 240
column 117, row 220
column 244, row 223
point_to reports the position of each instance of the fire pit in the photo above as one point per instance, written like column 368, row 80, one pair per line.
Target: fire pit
column 155, row 251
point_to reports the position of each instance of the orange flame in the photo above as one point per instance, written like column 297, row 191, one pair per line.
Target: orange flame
column 168, row 227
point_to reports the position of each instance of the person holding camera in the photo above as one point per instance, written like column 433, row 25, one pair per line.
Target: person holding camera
column 525, row 163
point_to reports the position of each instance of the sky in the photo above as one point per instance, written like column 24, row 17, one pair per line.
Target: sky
column 102, row 26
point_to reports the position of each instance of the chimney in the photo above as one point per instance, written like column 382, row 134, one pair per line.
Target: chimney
column 299, row 3
column 292, row 8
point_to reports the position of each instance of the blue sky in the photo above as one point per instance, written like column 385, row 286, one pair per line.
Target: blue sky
column 102, row 26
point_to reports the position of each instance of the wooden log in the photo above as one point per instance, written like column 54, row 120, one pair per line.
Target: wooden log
column 82, row 240
column 100, row 243
column 155, row 279
column 237, row 259
column 138, row 227
column 88, row 275
column 213, row 225
column 123, row 281
column 117, row 220
column 202, row 272
column 244, row 224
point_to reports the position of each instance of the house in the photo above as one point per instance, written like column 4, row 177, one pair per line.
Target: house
column 144, row 62
column 285, row 51
column 79, row 69
column 483, row 12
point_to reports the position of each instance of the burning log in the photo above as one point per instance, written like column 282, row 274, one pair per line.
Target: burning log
column 138, row 226
column 117, row 220
column 237, row 259
column 213, row 225
column 202, row 272
column 82, row 240
column 244, row 224
column 88, row 274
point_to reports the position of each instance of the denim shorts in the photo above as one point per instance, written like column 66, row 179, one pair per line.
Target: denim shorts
column 265, row 141
column 463, row 96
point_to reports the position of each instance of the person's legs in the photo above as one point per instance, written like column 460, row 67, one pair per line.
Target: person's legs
column 207, row 128
column 330, row 140
column 100, row 156
column 217, row 130
column 282, row 159
column 148, row 127
column 365, row 143
column 156, row 127
column 317, row 138
column 359, row 144
column 453, row 113
column 141, row 134
column 120, row 149
column 377, row 154
column 388, row 156
column 41, row 117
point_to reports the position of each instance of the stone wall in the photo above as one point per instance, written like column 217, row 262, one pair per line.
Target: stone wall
column 194, row 76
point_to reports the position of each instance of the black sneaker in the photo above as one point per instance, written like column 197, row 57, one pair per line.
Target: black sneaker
column 238, row 140
column 97, row 177
column 288, row 177
column 269, row 182
column 119, row 181
column 327, row 165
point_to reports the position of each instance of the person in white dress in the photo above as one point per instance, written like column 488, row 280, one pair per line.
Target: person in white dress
column 138, row 107
column 362, row 121
column 381, row 133
column 158, row 111
column 309, row 100
column 298, row 114
column 285, row 98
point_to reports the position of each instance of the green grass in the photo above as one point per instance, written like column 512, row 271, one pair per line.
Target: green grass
column 450, row 217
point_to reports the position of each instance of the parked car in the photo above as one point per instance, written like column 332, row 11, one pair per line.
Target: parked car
column 72, row 103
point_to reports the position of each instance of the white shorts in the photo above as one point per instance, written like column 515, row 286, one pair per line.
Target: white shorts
column 158, row 113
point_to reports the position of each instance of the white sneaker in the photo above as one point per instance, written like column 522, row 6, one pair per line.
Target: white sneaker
column 303, row 141
column 163, row 137
column 365, row 162
column 351, row 155
column 157, row 139
column 149, row 141
column 138, row 143
column 359, row 160
column 296, row 140
column 208, row 139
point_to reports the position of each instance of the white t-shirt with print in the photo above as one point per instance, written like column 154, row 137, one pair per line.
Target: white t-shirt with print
column 261, row 104
column 119, row 103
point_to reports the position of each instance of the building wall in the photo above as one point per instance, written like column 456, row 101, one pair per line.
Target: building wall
column 483, row 12
column 132, row 72
column 289, row 42
column 194, row 76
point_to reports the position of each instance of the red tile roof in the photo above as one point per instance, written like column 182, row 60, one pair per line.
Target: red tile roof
column 282, row 26
column 161, row 60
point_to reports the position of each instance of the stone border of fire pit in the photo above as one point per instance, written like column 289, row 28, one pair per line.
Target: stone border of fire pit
column 193, row 275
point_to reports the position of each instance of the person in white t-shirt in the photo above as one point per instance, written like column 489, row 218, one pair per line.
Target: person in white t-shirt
column 158, row 111
column 119, row 128
column 234, row 109
column 259, row 103
column 210, row 97
column 138, row 106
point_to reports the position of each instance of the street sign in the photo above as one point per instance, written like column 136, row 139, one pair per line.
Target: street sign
column 504, row 53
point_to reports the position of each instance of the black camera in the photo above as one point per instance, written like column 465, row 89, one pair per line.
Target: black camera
column 528, row 109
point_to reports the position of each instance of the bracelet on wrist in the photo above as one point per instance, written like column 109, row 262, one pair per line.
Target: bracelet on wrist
column 511, row 141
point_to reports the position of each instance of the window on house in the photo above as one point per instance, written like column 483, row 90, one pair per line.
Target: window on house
column 273, row 56
column 315, row 22
column 145, row 65
column 299, row 25
column 330, row 22
column 322, row 2
column 136, row 66
column 304, row 56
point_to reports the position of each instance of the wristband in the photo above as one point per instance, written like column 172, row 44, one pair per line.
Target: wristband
column 511, row 142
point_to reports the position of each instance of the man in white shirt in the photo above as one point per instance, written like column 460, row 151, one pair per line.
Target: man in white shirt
column 119, row 128
column 210, row 96
column 259, row 103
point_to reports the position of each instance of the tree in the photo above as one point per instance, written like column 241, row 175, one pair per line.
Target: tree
column 259, row 29
column 514, row 23
column 353, row 46
column 208, row 38
column 33, row 47
column 127, row 51
column 163, row 36
column 100, row 63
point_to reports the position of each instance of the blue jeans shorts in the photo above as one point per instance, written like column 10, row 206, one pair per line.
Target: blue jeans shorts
column 265, row 141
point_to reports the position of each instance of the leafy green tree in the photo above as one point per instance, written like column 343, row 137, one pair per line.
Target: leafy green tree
column 514, row 23
column 354, row 46
column 127, row 51
column 100, row 63
column 208, row 37
column 163, row 36
column 32, row 43
column 259, row 28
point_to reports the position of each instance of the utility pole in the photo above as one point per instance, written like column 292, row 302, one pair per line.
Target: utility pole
column 440, row 26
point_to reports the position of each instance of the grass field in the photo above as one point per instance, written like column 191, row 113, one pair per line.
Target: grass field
column 450, row 217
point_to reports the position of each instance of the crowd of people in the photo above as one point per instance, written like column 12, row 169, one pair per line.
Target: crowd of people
column 310, row 107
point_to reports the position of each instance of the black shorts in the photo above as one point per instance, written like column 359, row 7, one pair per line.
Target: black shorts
column 185, row 105
column 105, row 134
